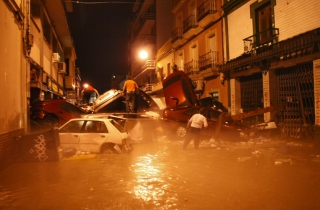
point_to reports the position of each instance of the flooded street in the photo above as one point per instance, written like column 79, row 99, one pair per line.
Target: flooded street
column 160, row 175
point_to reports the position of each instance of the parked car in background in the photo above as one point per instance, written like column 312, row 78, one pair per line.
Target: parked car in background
column 94, row 135
column 54, row 112
column 182, row 103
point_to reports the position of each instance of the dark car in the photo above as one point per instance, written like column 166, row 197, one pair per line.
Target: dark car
column 182, row 104
column 54, row 112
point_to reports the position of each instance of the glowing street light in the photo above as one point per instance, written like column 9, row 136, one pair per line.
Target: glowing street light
column 143, row 54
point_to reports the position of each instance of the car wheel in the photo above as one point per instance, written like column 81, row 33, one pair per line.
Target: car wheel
column 51, row 121
column 181, row 131
column 108, row 149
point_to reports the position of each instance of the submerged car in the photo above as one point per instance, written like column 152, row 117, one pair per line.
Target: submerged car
column 54, row 112
column 182, row 103
column 95, row 135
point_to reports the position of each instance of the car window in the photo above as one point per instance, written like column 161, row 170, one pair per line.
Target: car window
column 121, row 121
column 72, row 127
column 217, row 105
column 186, row 90
column 191, row 112
column 93, row 126
column 118, row 126
column 214, row 115
column 72, row 109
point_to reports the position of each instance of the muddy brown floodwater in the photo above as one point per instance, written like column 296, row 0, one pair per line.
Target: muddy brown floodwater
column 160, row 175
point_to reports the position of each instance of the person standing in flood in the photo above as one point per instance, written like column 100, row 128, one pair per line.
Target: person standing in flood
column 194, row 126
column 130, row 89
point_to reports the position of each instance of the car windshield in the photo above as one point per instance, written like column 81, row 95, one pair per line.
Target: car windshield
column 118, row 126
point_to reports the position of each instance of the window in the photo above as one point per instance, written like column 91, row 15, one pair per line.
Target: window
column 215, row 95
column 95, row 127
column 72, row 109
column 46, row 30
column 118, row 126
column 264, row 23
column 72, row 127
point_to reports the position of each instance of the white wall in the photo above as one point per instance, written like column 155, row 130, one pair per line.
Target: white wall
column 239, row 27
column 291, row 17
column 296, row 17
column 12, row 73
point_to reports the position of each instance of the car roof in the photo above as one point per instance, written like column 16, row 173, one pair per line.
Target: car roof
column 83, row 118
column 179, row 85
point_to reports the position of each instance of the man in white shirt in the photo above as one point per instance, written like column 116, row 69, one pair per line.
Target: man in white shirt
column 194, row 126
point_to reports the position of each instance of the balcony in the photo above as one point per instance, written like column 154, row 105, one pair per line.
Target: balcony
column 149, row 65
column 190, row 27
column 177, row 38
column 192, row 69
column 144, row 25
column 208, row 64
column 262, row 41
column 207, row 13
column 285, row 53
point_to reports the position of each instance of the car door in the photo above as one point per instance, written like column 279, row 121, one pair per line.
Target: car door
column 70, row 134
column 94, row 134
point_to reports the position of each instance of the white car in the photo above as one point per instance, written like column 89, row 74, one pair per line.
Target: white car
column 98, row 135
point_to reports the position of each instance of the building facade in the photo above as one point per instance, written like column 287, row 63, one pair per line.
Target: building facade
column 38, row 62
column 272, row 57
column 150, row 30
column 197, row 46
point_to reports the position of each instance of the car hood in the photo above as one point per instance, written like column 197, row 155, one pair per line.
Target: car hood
column 179, row 86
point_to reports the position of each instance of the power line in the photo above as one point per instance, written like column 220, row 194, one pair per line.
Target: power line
column 99, row 2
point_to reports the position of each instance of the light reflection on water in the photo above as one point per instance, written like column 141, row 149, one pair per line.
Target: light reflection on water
column 160, row 176
column 139, row 180
column 150, row 184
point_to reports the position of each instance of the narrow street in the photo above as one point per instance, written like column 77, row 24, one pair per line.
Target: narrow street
column 259, row 174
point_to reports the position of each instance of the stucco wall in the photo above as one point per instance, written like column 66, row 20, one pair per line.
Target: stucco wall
column 291, row 17
column 12, row 73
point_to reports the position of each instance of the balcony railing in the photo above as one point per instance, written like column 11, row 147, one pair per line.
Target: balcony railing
column 149, row 65
column 207, row 7
column 147, row 87
column 208, row 60
column 298, row 46
column 191, row 67
column 267, row 37
column 176, row 34
column 147, row 21
column 189, row 23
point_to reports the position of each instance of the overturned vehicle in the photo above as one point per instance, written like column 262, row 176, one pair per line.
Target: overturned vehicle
column 182, row 103
column 141, row 125
column 112, row 101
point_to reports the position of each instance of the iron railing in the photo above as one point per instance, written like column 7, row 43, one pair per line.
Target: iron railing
column 176, row 34
column 267, row 37
column 300, row 45
column 207, row 7
column 208, row 60
column 191, row 67
column 189, row 23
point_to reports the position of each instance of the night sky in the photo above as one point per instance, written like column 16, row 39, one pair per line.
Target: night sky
column 100, row 33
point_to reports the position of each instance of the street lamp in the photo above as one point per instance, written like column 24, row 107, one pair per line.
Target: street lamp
column 143, row 54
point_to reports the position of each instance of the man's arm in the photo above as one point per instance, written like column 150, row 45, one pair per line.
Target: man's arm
column 205, row 124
